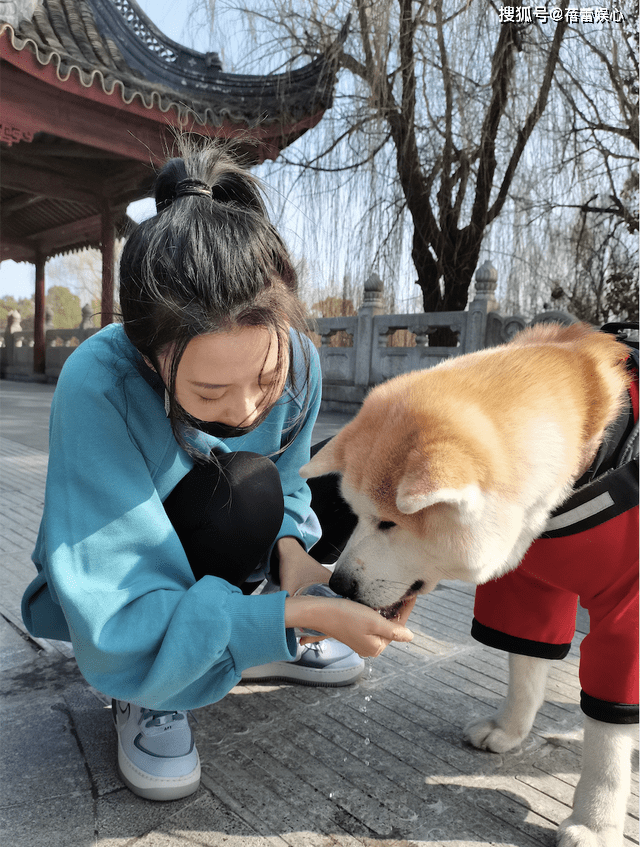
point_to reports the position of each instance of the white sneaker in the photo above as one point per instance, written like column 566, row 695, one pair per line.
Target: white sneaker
column 157, row 756
column 325, row 662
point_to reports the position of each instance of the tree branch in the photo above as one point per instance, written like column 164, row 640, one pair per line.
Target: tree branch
column 502, row 67
column 532, row 119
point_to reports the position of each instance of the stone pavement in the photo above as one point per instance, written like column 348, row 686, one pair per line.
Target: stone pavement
column 378, row 764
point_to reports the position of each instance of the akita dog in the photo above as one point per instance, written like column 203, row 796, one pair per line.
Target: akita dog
column 454, row 472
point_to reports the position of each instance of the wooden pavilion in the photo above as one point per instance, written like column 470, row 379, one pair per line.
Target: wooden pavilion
column 92, row 95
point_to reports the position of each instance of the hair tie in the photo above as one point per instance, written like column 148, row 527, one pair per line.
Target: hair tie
column 193, row 186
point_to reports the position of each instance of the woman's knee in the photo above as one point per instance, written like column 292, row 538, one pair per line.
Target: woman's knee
column 227, row 514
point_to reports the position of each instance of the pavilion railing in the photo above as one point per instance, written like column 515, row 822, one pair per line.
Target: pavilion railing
column 356, row 352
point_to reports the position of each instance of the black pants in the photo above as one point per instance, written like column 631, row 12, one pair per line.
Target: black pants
column 228, row 515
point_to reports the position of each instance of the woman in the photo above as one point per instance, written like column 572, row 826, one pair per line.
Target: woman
column 173, row 488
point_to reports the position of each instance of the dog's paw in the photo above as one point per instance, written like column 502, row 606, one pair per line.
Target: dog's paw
column 572, row 834
column 487, row 734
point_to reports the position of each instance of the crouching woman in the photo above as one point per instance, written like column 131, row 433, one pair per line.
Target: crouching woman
column 173, row 492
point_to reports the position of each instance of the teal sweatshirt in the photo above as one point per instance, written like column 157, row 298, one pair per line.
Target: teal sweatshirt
column 112, row 575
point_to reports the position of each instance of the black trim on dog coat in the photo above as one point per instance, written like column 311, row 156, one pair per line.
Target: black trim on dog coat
column 521, row 646
column 602, row 710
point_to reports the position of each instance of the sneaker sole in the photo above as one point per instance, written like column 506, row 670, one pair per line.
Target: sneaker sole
column 153, row 787
column 322, row 678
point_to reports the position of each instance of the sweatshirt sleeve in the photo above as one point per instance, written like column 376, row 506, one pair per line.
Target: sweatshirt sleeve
column 143, row 630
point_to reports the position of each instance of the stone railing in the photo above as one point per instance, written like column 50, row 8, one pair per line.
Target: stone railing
column 348, row 372
column 367, row 348
column 16, row 347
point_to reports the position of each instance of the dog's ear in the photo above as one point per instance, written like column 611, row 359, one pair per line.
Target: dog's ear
column 326, row 460
column 467, row 499
column 424, row 485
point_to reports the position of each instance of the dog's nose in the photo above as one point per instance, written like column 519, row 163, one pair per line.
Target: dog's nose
column 344, row 586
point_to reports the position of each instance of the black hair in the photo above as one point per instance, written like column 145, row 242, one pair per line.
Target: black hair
column 209, row 261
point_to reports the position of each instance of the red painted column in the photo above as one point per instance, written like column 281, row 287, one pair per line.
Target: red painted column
column 38, row 319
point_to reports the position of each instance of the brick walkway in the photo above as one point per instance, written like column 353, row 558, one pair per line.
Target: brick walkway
column 379, row 764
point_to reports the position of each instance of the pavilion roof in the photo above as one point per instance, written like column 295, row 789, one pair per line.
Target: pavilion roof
column 92, row 91
column 113, row 44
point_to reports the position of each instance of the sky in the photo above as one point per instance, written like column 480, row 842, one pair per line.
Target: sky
column 18, row 279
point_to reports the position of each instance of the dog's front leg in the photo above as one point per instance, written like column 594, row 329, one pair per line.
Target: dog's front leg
column 511, row 725
column 600, row 799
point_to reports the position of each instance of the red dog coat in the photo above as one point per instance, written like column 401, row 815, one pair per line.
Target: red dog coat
column 532, row 609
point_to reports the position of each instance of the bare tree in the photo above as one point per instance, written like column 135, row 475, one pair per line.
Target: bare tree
column 442, row 100
column 81, row 273
column 570, row 238
column 457, row 120
column 603, row 283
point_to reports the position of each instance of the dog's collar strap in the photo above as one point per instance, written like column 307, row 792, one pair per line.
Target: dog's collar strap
column 610, row 485
column 620, row 443
column 605, row 498
column 617, row 446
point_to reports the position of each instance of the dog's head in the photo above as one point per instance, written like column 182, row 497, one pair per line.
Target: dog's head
column 453, row 471
column 422, row 513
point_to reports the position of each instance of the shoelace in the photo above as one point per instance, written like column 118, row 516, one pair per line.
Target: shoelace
column 159, row 717
column 317, row 646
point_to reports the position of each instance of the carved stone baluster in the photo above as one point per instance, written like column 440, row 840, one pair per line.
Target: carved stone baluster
column 482, row 304
column 384, row 333
column 373, row 304
column 325, row 337
column 422, row 336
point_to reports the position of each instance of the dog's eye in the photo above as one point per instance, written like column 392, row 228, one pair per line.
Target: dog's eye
column 384, row 525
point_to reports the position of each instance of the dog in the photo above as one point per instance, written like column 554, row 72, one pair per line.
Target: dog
column 455, row 472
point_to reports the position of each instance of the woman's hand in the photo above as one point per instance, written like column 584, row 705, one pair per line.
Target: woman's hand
column 359, row 627
column 297, row 568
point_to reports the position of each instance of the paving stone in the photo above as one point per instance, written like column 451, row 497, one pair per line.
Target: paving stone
column 15, row 648
column 59, row 821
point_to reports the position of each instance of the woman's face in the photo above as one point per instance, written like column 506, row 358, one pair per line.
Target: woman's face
column 228, row 377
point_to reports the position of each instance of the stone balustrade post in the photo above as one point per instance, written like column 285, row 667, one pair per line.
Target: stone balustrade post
column 482, row 304
column 13, row 339
column 372, row 305
column 14, row 324
column 87, row 317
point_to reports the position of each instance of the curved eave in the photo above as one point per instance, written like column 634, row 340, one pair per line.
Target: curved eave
column 250, row 101
column 158, row 60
